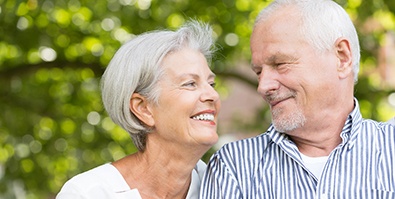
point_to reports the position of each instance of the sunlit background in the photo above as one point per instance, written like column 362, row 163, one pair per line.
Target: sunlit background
column 52, row 54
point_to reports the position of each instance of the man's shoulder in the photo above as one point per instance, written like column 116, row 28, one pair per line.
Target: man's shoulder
column 370, row 129
column 246, row 146
column 391, row 121
column 242, row 155
column 252, row 140
column 373, row 124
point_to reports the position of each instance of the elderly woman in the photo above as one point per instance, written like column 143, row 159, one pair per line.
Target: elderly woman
column 159, row 88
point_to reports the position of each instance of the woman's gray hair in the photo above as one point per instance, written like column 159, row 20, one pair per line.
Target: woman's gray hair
column 136, row 68
column 323, row 22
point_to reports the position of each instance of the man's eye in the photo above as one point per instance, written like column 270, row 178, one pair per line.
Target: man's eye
column 280, row 64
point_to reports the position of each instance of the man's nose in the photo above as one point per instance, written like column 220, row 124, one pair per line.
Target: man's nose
column 268, row 82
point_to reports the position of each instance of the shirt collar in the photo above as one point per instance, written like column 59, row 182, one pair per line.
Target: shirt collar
column 352, row 126
column 197, row 175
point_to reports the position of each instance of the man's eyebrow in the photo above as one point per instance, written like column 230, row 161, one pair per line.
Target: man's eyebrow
column 273, row 59
column 280, row 57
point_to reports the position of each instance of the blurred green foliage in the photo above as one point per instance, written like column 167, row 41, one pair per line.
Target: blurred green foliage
column 52, row 54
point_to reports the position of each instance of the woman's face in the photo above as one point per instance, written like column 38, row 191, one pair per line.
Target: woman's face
column 188, row 104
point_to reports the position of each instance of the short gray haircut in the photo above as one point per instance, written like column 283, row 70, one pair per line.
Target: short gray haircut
column 323, row 22
column 136, row 68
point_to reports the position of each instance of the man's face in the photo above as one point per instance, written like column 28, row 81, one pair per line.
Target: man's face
column 294, row 78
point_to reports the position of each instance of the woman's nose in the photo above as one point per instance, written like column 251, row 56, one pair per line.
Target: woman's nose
column 209, row 93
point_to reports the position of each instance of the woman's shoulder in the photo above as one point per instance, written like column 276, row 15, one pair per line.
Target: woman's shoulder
column 97, row 175
column 103, row 180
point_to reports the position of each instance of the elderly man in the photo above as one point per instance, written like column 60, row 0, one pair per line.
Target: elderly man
column 306, row 57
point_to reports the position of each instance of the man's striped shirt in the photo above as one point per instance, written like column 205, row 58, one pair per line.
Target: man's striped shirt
column 270, row 166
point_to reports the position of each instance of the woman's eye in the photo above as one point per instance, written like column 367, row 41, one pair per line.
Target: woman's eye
column 193, row 84
column 213, row 84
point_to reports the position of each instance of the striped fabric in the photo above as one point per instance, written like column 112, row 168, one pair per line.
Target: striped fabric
column 270, row 166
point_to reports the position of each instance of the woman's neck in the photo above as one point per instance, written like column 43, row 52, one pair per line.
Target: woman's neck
column 158, row 173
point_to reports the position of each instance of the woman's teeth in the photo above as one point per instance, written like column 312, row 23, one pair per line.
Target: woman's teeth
column 207, row 117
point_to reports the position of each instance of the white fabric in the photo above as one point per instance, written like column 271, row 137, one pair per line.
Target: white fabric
column 314, row 164
column 392, row 121
column 105, row 182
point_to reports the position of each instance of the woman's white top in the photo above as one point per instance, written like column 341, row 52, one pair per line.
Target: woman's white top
column 392, row 121
column 105, row 181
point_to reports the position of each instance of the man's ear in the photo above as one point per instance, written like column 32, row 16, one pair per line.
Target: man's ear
column 344, row 55
column 140, row 108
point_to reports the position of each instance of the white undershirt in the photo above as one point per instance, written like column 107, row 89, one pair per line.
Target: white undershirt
column 314, row 164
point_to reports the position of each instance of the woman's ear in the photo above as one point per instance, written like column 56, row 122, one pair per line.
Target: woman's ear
column 140, row 108
column 344, row 55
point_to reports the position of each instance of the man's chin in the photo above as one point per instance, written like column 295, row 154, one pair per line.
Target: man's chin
column 289, row 124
